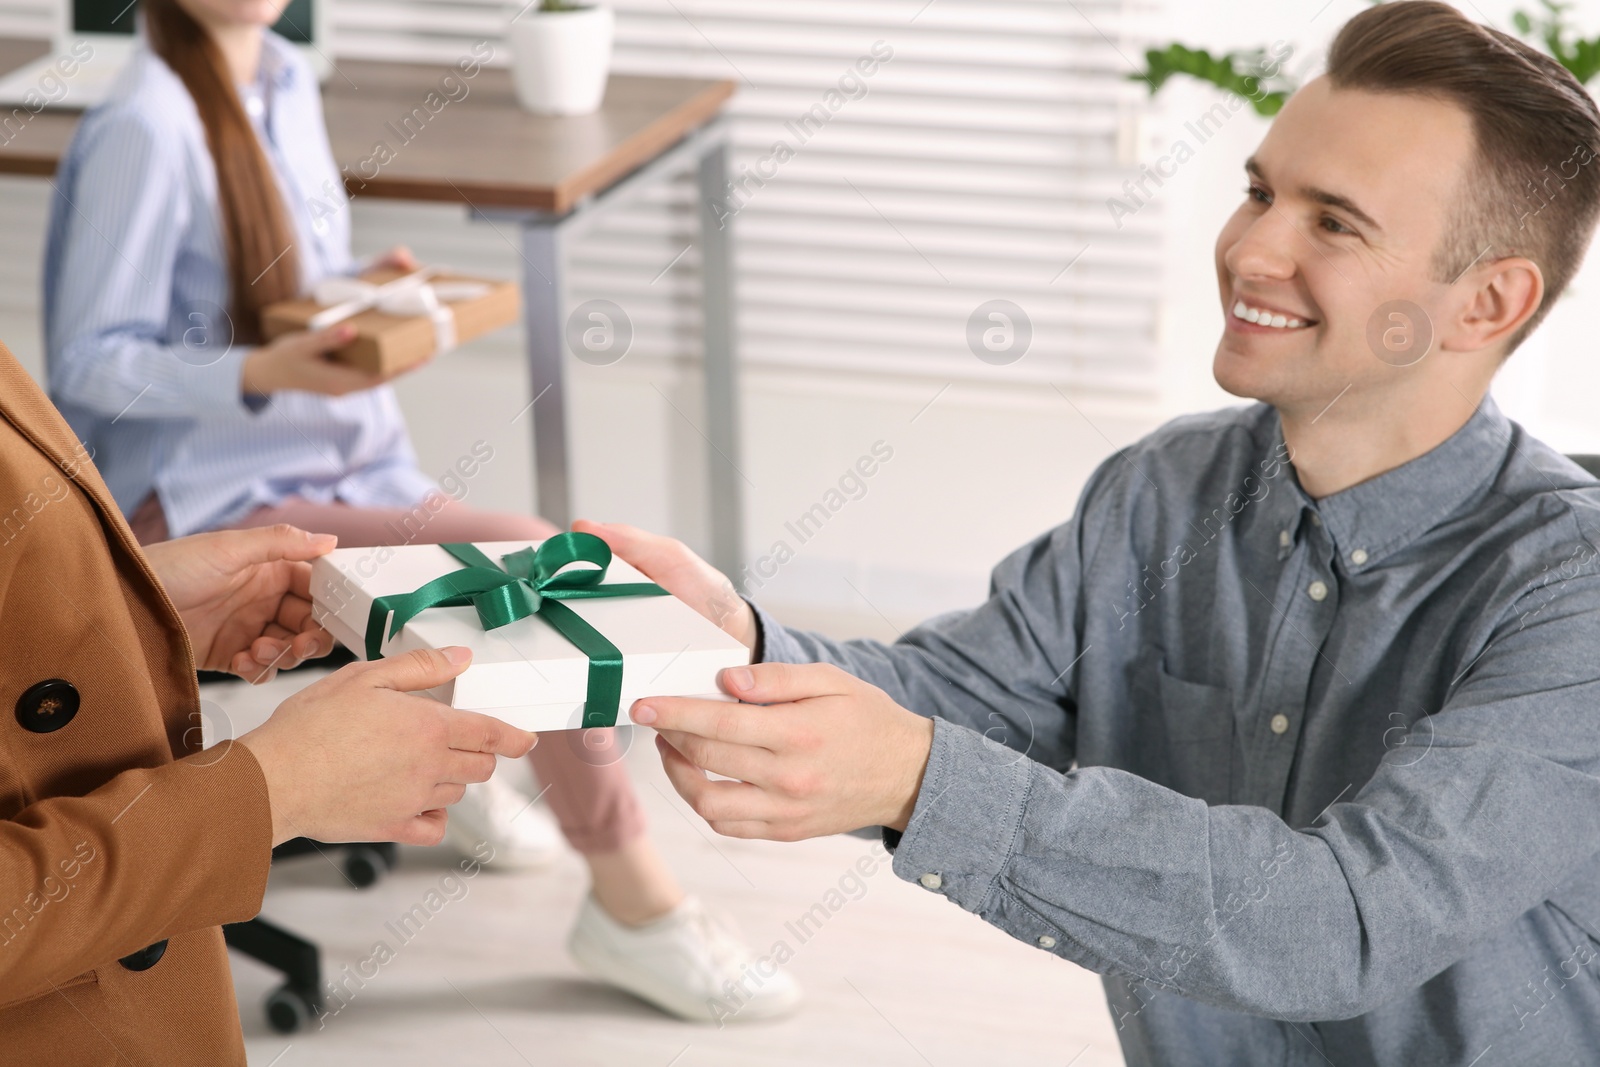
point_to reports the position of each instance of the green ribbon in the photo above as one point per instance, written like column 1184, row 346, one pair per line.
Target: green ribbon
column 531, row 583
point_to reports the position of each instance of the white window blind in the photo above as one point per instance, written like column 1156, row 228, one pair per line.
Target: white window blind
column 976, row 167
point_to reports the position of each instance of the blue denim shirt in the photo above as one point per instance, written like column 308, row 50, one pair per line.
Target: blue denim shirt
column 1307, row 781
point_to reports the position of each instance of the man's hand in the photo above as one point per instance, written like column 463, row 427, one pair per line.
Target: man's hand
column 245, row 597
column 358, row 757
column 828, row 753
column 673, row 567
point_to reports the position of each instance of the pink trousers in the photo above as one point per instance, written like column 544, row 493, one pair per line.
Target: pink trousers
column 585, row 781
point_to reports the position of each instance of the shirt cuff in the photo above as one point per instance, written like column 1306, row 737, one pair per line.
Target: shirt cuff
column 968, row 816
column 229, row 382
column 773, row 643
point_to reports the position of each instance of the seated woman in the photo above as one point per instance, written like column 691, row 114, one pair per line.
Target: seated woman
column 181, row 211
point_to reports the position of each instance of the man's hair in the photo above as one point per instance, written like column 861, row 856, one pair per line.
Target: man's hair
column 1534, row 189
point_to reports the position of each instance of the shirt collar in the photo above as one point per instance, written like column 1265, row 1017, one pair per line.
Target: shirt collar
column 274, row 75
column 1369, row 521
column 277, row 69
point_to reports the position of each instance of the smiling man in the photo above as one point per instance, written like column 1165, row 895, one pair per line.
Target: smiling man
column 1292, row 732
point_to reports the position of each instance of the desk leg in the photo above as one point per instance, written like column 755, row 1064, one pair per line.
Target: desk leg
column 721, row 366
column 543, row 305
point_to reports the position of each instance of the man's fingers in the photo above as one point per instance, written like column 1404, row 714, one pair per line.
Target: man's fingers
column 419, row 669
column 663, row 560
column 720, row 720
column 645, row 550
column 711, row 800
column 785, row 683
column 471, row 731
column 671, row 565
column 719, row 757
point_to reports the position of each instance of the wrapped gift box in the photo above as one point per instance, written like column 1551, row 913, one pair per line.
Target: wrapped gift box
column 526, row 673
column 400, row 318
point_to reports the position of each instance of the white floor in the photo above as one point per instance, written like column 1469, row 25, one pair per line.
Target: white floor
column 895, row 976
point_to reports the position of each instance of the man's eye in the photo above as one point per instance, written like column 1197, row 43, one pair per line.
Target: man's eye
column 1333, row 225
column 1258, row 194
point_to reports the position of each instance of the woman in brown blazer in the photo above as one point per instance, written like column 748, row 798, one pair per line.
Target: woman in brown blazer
column 123, row 846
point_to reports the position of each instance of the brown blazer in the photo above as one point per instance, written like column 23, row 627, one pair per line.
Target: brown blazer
column 122, row 846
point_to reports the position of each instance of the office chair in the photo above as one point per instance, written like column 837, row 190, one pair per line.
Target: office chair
column 299, row 999
column 1588, row 463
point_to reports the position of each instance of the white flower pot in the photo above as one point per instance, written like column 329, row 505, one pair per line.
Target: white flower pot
column 560, row 59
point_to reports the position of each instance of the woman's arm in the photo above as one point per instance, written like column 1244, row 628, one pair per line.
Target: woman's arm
column 152, row 853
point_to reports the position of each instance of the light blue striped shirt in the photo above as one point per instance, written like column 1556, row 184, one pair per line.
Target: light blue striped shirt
column 137, row 338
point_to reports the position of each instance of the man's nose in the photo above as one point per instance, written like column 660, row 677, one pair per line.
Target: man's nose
column 1265, row 249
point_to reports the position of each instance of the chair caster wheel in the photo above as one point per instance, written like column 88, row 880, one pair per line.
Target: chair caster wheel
column 288, row 1009
column 364, row 865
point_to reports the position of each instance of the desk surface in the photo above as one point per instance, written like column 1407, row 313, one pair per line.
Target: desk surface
column 482, row 150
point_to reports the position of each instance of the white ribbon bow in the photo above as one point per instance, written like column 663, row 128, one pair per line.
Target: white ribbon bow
column 407, row 296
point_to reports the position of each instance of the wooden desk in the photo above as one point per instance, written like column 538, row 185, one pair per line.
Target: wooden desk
column 549, row 178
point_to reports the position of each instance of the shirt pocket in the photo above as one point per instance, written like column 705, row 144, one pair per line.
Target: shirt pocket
column 1186, row 733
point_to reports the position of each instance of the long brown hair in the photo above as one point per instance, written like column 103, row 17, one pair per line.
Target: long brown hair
column 257, row 237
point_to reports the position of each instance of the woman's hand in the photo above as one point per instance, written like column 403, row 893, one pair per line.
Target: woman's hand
column 397, row 258
column 245, row 597
column 356, row 757
column 300, row 360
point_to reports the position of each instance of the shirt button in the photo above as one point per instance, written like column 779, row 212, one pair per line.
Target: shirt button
column 1316, row 520
column 1284, row 538
column 1317, row 591
column 931, row 881
column 1047, row 941
column 1358, row 557
column 1280, row 723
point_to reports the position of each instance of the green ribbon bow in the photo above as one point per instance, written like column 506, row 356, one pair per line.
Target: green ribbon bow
column 532, row 583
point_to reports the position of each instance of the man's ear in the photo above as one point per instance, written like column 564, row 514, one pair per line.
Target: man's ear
column 1496, row 299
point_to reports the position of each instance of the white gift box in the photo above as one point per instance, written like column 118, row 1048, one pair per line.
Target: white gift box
column 526, row 673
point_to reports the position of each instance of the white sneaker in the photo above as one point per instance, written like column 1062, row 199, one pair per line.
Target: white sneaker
column 497, row 825
column 686, row 963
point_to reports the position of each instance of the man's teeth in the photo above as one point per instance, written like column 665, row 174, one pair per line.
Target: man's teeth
column 1241, row 310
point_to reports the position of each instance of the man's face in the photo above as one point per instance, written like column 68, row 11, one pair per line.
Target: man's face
column 1349, row 196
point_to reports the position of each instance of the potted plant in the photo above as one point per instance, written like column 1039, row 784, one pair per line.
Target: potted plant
column 1248, row 74
column 560, row 56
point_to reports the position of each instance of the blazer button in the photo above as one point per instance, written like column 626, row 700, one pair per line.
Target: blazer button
column 47, row 706
column 145, row 958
